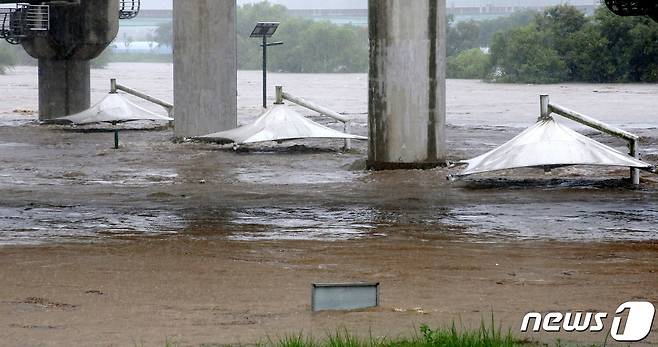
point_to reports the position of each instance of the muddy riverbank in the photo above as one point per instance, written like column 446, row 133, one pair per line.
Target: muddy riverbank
column 195, row 291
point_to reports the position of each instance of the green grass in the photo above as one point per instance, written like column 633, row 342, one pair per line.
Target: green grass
column 485, row 336
column 425, row 337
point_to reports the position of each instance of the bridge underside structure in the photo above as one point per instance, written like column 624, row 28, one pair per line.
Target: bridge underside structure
column 64, row 36
column 634, row 8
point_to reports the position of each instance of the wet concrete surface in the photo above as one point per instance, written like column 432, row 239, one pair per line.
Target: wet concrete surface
column 63, row 185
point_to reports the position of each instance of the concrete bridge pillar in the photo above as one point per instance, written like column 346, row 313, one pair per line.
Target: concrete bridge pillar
column 64, row 87
column 406, row 113
column 205, row 68
column 79, row 32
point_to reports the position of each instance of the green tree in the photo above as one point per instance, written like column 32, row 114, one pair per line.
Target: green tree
column 489, row 27
column 249, row 52
column 561, row 25
column 519, row 55
column 462, row 36
column 562, row 44
column 632, row 43
column 164, row 34
column 469, row 64
column 561, row 20
column 309, row 46
column 589, row 57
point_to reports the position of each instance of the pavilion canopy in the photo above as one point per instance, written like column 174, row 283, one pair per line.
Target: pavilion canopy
column 549, row 144
column 278, row 123
column 114, row 108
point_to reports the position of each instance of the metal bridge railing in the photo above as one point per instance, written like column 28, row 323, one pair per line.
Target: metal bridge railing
column 128, row 9
column 23, row 21
column 634, row 8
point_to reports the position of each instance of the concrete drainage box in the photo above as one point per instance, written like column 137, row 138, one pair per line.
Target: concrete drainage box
column 344, row 296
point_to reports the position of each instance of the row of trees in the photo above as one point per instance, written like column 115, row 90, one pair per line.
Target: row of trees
column 309, row 46
column 562, row 44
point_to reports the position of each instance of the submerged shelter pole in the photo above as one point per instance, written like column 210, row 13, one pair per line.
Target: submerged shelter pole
column 116, row 135
column 279, row 95
column 633, row 146
column 543, row 105
column 348, row 142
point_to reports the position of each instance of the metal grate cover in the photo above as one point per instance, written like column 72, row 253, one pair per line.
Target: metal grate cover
column 344, row 296
column 37, row 17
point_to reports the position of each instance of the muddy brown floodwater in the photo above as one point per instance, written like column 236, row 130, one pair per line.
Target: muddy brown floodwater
column 204, row 244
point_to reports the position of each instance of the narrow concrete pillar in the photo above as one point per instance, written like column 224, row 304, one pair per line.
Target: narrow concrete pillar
column 205, row 68
column 63, row 87
column 406, row 113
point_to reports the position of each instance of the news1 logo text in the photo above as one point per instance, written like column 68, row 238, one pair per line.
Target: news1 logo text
column 636, row 327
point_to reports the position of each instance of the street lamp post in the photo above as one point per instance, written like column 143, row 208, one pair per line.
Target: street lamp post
column 265, row 30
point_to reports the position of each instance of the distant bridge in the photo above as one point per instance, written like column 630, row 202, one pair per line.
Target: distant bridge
column 492, row 10
column 359, row 17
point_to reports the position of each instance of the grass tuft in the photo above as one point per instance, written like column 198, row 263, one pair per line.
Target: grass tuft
column 485, row 336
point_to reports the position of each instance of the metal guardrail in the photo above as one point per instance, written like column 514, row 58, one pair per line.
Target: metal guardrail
column 37, row 17
column 281, row 95
column 633, row 140
column 22, row 21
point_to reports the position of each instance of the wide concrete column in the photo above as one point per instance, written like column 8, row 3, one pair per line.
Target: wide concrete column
column 406, row 113
column 79, row 31
column 205, row 68
column 63, row 87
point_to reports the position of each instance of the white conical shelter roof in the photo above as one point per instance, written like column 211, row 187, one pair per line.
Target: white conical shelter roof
column 278, row 123
column 114, row 108
column 549, row 143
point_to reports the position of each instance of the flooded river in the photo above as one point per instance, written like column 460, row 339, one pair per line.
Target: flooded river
column 59, row 184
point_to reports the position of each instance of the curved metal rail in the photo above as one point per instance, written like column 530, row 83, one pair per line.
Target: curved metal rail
column 128, row 9
column 634, row 8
